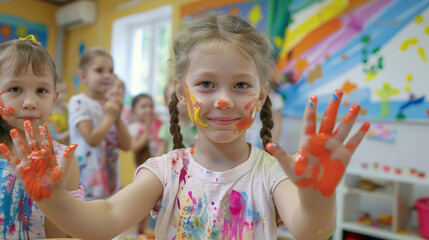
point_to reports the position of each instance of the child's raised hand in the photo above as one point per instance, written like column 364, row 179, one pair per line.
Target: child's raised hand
column 112, row 108
column 37, row 168
column 323, row 157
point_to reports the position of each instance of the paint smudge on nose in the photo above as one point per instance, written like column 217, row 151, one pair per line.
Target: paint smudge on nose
column 222, row 103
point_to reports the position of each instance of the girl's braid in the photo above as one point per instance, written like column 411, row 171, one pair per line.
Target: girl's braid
column 267, row 122
column 174, row 122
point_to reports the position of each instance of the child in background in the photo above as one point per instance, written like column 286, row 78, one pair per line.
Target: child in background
column 91, row 117
column 144, row 138
column 57, row 122
column 115, row 93
column 187, row 128
column 223, row 187
column 28, row 92
column 144, row 131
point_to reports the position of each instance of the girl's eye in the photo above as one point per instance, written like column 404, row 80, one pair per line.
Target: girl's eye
column 99, row 70
column 42, row 91
column 15, row 90
column 206, row 84
column 241, row 85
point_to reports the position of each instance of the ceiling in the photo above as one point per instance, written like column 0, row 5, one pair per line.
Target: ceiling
column 58, row 2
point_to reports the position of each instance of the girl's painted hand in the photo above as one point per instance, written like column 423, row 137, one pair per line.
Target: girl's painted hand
column 37, row 168
column 322, row 157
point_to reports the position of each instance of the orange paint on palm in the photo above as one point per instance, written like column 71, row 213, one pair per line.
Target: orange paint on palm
column 29, row 129
column 353, row 112
column 5, row 111
column 328, row 120
column 40, row 174
column 332, row 169
column 222, row 103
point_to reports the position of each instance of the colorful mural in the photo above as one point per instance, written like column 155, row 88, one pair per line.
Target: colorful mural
column 376, row 51
column 12, row 27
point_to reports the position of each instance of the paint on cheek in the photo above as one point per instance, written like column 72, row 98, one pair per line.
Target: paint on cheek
column 5, row 111
column 244, row 125
column 194, row 106
column 249, row 104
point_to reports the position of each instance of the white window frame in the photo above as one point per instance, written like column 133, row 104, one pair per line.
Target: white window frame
column 122, row 45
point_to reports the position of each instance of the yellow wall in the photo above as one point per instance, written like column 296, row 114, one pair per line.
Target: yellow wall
column 34, row 11
column 99, row 34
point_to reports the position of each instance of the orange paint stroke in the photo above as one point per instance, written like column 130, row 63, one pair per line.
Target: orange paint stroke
column 328, row 121
column 5, row 111
column 352, row 114
column 192, row 149
column 29, row 129
column 319, row 34
column 249, row 104
column 244, row 125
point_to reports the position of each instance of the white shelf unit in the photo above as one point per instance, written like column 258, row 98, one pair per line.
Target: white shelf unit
column 395, row 199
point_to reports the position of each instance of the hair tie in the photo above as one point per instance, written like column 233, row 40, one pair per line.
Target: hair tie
column 31, row 39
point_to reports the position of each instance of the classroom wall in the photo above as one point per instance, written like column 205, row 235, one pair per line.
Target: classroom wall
column 99, row 34
column 34, row 11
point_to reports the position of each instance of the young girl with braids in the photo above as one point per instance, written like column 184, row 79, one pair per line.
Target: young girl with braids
column 223, row 187
column 28, row 93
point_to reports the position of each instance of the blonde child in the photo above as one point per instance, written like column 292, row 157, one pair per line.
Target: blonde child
column 224, row 188
column 57, row 122
column 91, row 117
column 28, row 92
column 144, row 131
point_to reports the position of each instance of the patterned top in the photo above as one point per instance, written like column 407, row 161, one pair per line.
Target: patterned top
column 198, row 203
column 94, row 172
column 20, row 218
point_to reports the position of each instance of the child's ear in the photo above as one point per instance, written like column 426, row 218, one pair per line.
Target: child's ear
column 264, row 92
column 180, row 91
column 57, row 93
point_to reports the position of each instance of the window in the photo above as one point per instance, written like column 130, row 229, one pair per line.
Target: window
column 141, row 49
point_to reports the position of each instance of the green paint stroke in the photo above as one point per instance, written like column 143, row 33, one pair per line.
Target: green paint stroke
column 385, row 93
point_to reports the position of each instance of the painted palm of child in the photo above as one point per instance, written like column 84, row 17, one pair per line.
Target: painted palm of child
column 223, row 85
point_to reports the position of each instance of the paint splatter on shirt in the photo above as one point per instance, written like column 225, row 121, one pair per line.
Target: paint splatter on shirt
column 198, row 203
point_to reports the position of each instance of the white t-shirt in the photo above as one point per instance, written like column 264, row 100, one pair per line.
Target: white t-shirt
column 92, row 160
column 201, row 204
column 253, row 134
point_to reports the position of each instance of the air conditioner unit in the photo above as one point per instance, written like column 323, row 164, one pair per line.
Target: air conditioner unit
column 76, row 14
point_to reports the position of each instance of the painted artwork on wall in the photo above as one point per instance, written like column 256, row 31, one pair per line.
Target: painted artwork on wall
column 375, row 50
column 13, row 27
